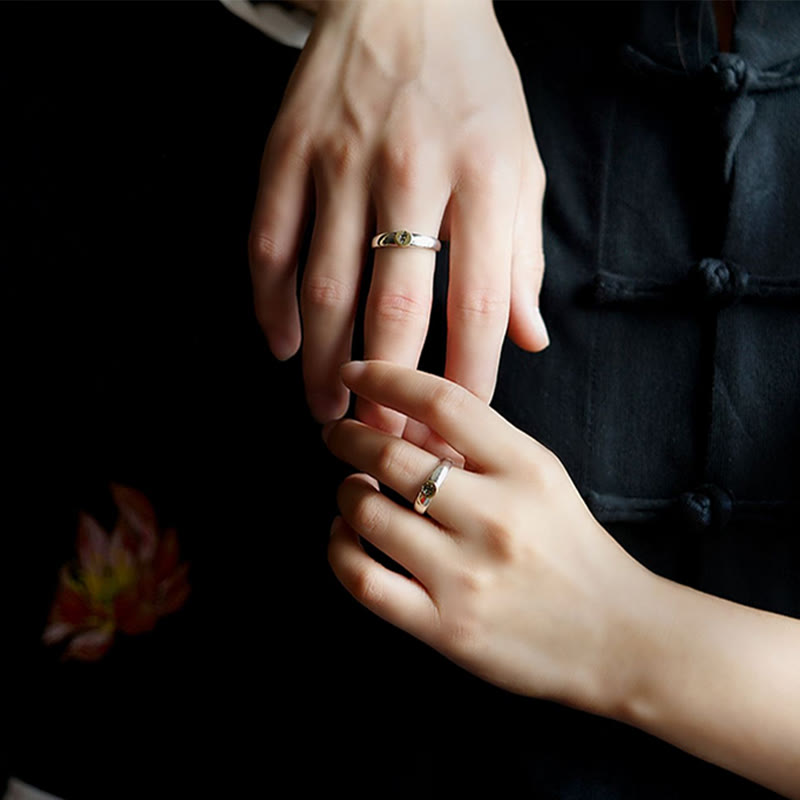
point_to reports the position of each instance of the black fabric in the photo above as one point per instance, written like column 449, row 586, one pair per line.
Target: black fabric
column 670, row 391
column 672, row 387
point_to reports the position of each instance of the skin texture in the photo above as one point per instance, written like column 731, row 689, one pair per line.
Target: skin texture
column 514, row 580
column 400, row 114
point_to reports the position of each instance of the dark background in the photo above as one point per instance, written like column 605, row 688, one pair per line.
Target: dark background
column 132, row 136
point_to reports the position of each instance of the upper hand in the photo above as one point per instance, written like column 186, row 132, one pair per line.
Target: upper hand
column 513, row 578
column 400, row 114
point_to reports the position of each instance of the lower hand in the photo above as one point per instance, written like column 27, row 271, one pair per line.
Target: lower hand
column 513, row 578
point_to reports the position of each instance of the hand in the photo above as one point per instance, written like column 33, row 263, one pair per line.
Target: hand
column 513, row 578
column 400, row 114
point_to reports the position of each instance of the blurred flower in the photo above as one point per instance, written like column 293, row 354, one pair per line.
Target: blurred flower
column 123, row 581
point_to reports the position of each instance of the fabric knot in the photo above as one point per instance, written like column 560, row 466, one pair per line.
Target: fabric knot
column 705, row 508
column 729, row 72
column 718, row 281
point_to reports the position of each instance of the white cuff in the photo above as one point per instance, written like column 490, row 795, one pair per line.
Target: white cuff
column 287, row 26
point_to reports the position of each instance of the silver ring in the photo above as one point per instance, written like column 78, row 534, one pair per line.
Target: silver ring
column 403, row 238
column 432, row 485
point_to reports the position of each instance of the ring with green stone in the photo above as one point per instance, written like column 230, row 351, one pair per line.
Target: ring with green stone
column 403, row 238
column 431, row 485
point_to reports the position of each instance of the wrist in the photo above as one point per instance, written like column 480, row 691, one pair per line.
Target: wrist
column 637, row 628
column 412, row 11
column 402, row 42
column 717, row 679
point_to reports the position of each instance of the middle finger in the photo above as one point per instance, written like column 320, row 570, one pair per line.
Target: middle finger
column 329, row 293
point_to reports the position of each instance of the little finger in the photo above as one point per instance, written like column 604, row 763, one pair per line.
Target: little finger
column 402, row 601
column 526, row 326
column 405, row 536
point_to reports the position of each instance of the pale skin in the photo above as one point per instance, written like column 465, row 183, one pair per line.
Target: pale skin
column 528, row 592
column 387, row 126
column 402, row 114
column 532, row 594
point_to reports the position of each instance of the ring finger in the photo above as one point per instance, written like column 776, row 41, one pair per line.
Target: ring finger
column 404, row 467
column 409, row 196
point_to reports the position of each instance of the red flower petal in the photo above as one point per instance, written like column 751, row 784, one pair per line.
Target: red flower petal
column 121, row 555
column 174, row 591
column 90, row 645
column 138, row 516
column 166, row 558
column 92, row 543
column 148, row 589
column 133, row 612
column 56, row 632
column 71, row 606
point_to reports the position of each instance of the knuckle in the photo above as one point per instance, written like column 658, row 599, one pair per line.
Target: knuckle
column 364, row 585
column 340, row 156
column 265, row 250
column 398, row 164
column 291, row 136
column 392, row 459
column 470, row 583
column 369, row 516
column 445, row 403
column 488, row 168
column 499, row 538
column 480, row 305
column 398, row 307
column 545, row 471
column 325, row 291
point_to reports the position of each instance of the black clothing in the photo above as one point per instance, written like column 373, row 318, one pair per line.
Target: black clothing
column 669, row 391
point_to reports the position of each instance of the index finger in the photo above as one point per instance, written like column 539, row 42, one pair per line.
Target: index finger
column 474, row 429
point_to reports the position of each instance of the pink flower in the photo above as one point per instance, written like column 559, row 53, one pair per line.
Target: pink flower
column 123, row 581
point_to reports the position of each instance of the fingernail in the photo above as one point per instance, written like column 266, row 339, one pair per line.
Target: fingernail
column 326, row 430
column 351, row 371
column 326, row 406
column 540, row 327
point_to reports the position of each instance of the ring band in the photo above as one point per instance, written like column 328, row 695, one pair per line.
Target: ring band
column 403, row 238
column 432, row 485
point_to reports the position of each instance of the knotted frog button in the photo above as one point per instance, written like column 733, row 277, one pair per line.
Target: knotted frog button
column 729, row 72
column 706, row 507
column 718, row 281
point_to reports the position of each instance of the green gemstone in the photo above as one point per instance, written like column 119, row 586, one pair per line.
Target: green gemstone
column 428, row 489
column 403, row 238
